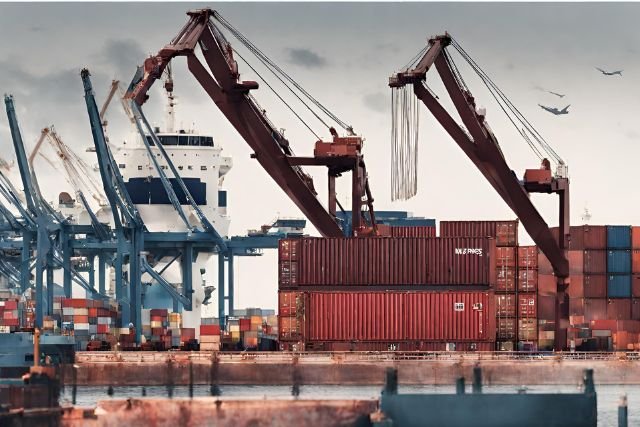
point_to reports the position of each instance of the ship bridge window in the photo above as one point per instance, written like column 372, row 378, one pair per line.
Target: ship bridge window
column 122, row 166
column 169, row 139
column 203, row 168
column 183, row 140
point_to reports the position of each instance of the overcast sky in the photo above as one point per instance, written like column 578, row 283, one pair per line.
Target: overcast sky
column 343, row 54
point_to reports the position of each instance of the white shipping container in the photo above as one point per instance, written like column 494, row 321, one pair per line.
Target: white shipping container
column 5, row 329
column 81, row 326
column 67, row 311
column 146, row 316
column 210, row 347
column 209, row 339
column 104, row 320
column 81, row 311
column 156, row 324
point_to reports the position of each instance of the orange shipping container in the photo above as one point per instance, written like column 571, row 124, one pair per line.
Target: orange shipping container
column 506, row 257
column 635, row 260
column 576, row 287
column 527, row 307
column 635, row 237
column 528, row 257
column 505, row 232
column 80, row 319
column 506, row 328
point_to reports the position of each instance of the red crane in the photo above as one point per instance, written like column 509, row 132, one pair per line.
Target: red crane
column 481, row 146
column 271, row 148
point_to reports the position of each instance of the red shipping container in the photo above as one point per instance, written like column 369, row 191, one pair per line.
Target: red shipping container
column 245, row 324
column 413, row 231
column 506, row 305
column 288, row 249
column 547, row 284
column 586, row 237
column 80, row 319
column 635, row 309
column 547, row 307
column 506, row 280
column 635, row 286
column 505, row 232
column 288, row 303
column 11, row 322
column 290, row 328
column 595, row 309
column 93, row 312
column 209, row 329
column 288, row 275
column 619, row 309
column 595, row 286
column 527, row 329
column 595, row 262
column 401, row 316
column 527, row 280
column 103, row 329
column 396, row 261
column 528, row 257
column 635, row 237
column 506, row 257
column 11, row 305
column 635, row 260
column 8, row 315
column 576, row 287
column 506, row 328
column 527, row 307
column 576, row 307
column 162, row 312
column 544, row 266
column 158, row 331
column 576, row 262
column 187, row 334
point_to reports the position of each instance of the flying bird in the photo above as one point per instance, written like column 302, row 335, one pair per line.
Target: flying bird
column 610, row 73
column 559, row 95
column 555, row 111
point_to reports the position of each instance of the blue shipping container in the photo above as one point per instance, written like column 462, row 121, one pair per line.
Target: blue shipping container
column 619, row 286
column 619, row 262
column 618, row 237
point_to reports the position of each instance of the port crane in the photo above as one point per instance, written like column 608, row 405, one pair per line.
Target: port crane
column 481, row 146
column 272, row 150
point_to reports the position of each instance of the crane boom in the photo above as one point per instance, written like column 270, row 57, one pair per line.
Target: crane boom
column 232, row 97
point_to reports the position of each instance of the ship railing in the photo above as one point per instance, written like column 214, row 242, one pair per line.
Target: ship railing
column 345, row 357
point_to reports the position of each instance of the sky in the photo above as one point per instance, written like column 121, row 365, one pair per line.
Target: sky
column 343, row 54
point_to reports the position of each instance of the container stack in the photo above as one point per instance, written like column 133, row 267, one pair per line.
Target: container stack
column 9, row 316
column 387, row 293
column 515, row 318
column 209, row 337
column 601, row 314
column 635, row 277
column 88, row 320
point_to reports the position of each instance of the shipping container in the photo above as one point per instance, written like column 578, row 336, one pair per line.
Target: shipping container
column 527, row 329
column 635, row 237
column 412, row 231
column 595, row 309
column 635, row 286
column 506, row 305
column 576, row 262
column 391, row 262
column 576, row 286
column 528, row 257
column 619, row 262
column 619, row 286
column 289, row 303
column 403, row 316
column 506, row 280
column 619, row 309
column 595, row 262
column 547, row 307
column 635, row 261
column 506, row 257
column 635, row 309
column 576, row 307
column 527, row 307
column 619, row 237
column 288, row 249
column 547, row 284
column 586, row 237
column 506, row 328
column 595, row 285
column 505, row 232
column 430, row 346
column 527, row 280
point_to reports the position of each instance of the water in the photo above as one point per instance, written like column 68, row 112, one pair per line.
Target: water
column 608, row 395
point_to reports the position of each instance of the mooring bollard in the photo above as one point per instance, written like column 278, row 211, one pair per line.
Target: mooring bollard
column 460, row 385
column 214, row 390
column 295, row 378
column 190, row 379
column 477, row 379
column 110, row 391
column 144, row 391
column 623, row 412
column 391, row 381
column 170, row 378
column 74, row 388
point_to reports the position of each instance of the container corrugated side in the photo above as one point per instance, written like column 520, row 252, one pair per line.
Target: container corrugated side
column 506, row 305
column 412, row 231
column 595, row 285
column 619, row 237
column 619, row 286
column 506, row 280
column 528, row 257
column 586, row 237
column 527, row 280
column 505, row 232
column 619, row 261
column 400, row 316
column 635, row 237
column 619, row 309
column 396, row 261
column 595, row 309
column 595, row 262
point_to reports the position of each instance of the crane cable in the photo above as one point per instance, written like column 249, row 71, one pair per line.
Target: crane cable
column 275, row 69
column 518, row 115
